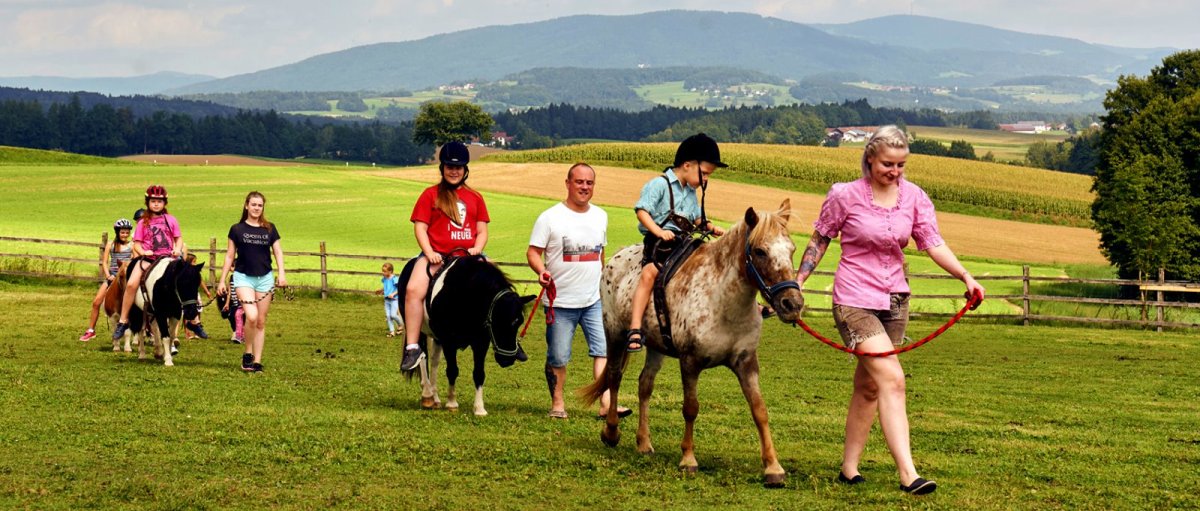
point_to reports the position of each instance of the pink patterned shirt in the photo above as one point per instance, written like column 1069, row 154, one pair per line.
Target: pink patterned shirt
column 873, row 239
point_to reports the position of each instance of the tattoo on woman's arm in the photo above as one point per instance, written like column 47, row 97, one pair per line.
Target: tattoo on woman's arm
column 817, row 244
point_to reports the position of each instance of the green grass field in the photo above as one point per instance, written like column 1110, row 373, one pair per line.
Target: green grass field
column 1002, row 417
column 1003, row 145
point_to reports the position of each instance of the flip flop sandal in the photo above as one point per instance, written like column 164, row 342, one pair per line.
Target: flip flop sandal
column 631, row 342
column 621, row 414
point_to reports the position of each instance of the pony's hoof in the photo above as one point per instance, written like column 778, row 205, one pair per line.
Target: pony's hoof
column 774, row 480
column 689, row 469
column 646, row 449
column 428, row 403
column 610, row 440
column 481, row 413
column 169, row 364
column 452, row 408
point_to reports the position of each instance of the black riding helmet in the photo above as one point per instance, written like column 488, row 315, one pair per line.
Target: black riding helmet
column 454, row 153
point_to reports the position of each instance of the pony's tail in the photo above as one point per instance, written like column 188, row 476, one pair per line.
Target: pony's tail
column 616, row 366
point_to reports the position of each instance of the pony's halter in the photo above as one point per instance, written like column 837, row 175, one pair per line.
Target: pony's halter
column 768, row 292
column 487, row 324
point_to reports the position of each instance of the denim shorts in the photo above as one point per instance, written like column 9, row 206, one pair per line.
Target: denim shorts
column 561, row 333
column 857, row 325
column 263, row 284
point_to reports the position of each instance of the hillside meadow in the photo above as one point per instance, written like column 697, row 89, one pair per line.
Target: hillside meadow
column 353, row 211
column 960, row 186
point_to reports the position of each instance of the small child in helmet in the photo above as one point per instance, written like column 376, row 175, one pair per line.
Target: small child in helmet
column 157, row 235
column 118, row 251
column 448, row 217
column 666, row 210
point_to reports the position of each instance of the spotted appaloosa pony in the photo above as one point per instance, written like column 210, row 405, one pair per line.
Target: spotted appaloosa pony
column 715, row 321
column 473, row 305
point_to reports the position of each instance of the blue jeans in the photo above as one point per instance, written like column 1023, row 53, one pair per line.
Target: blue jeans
column 561, row 333
column 391, row 307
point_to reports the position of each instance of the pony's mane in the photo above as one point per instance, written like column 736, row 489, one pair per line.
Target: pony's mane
column 486, row 273
column 769, row 224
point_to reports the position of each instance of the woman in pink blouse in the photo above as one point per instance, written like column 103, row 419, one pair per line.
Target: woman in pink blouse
column 876, row 216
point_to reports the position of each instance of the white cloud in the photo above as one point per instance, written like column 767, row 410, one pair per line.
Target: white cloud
column 117, row 26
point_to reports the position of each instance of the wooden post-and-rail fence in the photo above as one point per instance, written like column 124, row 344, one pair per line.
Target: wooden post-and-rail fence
column 1158, row 286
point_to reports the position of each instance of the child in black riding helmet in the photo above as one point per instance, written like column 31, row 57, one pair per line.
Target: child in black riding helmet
column 666, row 210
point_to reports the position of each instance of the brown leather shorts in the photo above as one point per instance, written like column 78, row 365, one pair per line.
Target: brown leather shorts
column 857, row 325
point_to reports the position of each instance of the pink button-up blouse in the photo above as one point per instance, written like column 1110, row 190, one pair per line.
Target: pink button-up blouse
column 872, row 264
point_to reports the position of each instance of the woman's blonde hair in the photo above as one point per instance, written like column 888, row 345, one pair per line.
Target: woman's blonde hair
column 885, row 136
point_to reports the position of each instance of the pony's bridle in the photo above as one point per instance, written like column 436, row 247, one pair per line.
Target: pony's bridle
column 768, row 292
column 487, row 324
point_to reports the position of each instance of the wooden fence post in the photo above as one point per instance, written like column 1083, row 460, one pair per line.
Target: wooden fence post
column 1158, row 315
column 100, row 258
column 324, row 274
column 1025, row 294
column 212, row 261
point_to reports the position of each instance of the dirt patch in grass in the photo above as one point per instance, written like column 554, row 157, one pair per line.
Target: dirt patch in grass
column 967, row 235
column 207, row 159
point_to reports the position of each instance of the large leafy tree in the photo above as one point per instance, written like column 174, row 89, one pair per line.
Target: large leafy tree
column 1147, row 185
column 439, row 122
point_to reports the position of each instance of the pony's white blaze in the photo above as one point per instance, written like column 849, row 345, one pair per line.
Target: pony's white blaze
column 714, row 322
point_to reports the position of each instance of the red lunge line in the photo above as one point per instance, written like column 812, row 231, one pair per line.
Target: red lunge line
column 971, row 304
column 536, row 304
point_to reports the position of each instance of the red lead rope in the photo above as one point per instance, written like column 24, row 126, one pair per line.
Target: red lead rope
column 549, row 311
column 972, row 303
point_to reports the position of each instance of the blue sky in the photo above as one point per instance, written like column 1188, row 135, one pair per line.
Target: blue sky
column 227, row 37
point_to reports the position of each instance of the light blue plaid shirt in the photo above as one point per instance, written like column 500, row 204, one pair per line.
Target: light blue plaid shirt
column 657, row 202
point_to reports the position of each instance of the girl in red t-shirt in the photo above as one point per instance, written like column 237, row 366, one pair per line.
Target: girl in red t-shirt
column 449, row 218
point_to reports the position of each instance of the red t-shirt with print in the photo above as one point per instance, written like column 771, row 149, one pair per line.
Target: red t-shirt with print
column 444, row 235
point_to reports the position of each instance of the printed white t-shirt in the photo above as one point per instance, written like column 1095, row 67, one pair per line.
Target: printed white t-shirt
column 573, row 243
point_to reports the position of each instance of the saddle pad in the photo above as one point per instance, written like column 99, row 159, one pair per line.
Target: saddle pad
column 435, row 287
column 149, row 279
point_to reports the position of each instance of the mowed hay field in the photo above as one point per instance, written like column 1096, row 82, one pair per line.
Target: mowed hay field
column 1002, row 417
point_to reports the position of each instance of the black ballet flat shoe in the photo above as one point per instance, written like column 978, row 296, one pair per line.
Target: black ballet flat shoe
column 920, row 486
column 858, row 478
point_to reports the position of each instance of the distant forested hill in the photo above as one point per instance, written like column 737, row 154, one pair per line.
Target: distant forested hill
column 935, row 52
column 140, row 106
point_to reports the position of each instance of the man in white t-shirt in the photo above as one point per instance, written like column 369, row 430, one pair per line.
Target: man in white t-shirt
column 566, row 250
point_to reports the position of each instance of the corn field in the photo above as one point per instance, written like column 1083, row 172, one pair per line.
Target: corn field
column 1058, row 195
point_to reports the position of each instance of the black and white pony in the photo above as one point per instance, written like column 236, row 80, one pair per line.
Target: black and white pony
column 172, row 290
column 471, row 304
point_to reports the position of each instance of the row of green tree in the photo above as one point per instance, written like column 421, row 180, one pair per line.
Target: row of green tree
column 103, row 130
column 1078, row 154
column 792, row 124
